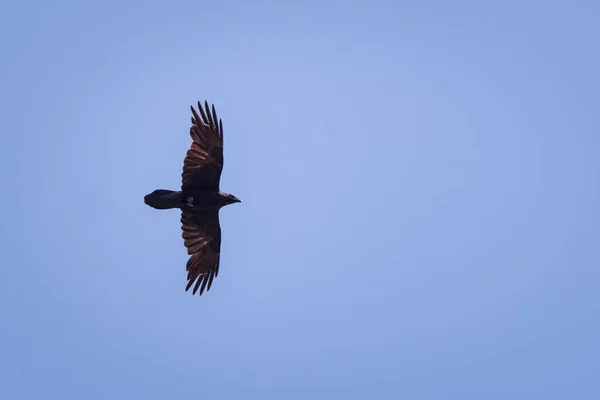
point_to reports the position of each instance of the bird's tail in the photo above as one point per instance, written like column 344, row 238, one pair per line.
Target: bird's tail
column 163, row 199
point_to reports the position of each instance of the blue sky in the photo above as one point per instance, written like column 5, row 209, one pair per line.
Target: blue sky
column 420, row 184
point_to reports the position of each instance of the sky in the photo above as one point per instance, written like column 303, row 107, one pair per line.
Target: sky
column 420, row 186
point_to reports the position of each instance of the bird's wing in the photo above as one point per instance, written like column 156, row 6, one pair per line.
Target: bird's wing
column 202, row 237
column 203, row 162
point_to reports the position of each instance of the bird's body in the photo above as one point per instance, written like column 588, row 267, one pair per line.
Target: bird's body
column 193, row 200
column 200, row 198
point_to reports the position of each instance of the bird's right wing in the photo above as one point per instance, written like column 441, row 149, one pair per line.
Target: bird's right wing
column 203, row 162
column 202, row 237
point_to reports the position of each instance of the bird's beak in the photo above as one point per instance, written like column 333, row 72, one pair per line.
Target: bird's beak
column 237, row 200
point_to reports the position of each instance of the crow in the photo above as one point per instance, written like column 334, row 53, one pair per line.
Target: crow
column 200, row 198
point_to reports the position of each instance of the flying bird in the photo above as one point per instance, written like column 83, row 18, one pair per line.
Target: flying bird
column 200, row 199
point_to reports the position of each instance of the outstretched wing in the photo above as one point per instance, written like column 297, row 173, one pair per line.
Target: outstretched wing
column 203, row 162
column 202, row 237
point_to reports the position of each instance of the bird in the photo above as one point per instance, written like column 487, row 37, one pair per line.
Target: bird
column 199, row 199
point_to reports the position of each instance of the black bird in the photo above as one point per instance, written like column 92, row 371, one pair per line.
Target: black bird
column 200, row 198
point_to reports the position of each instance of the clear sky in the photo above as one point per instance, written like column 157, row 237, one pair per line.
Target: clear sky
column 420, row 186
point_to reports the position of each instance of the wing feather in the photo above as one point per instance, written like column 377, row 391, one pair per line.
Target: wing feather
column 203, row 162
column 201, row 233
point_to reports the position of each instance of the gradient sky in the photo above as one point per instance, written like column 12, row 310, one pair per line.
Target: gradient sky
column 420, row 186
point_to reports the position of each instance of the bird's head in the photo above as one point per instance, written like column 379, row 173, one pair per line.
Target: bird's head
column 227, row 198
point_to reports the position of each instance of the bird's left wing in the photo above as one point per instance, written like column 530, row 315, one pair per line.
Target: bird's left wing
column 202, row 237
column 203, row 162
